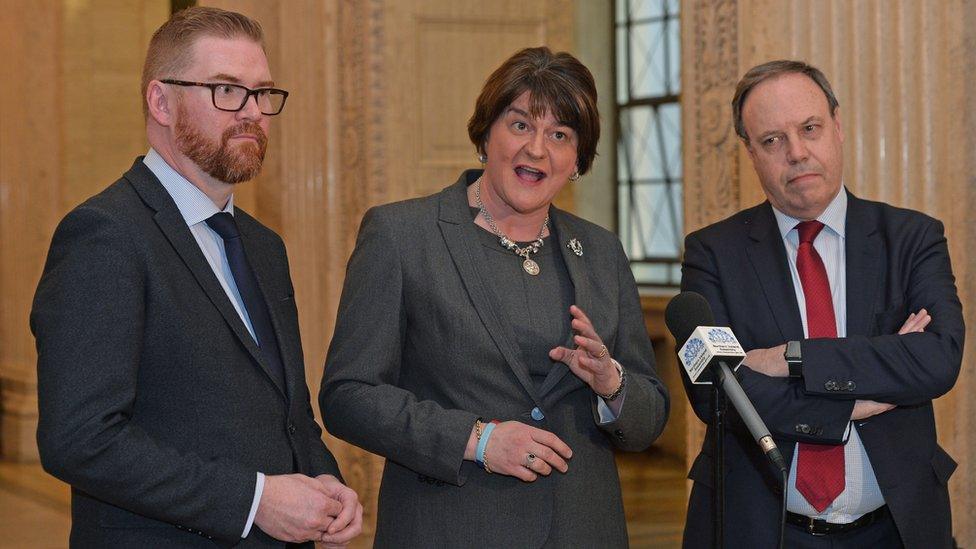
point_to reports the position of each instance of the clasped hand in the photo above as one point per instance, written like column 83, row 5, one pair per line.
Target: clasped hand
column 298, row 508
column 772, row 363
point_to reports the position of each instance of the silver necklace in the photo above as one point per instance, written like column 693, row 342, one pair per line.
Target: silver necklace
column 528, row 265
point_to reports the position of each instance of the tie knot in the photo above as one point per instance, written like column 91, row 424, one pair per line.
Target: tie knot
column 223, row 224
column 808, row 231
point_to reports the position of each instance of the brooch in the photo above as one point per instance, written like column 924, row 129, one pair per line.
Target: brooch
column 576, row 246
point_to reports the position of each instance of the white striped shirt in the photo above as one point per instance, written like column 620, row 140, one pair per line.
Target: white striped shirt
column 861, row 492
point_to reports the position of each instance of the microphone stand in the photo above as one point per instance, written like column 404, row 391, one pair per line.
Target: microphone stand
column 718, row 465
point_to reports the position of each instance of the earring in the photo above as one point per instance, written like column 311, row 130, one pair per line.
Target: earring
column 483, row 158
column 575, row 176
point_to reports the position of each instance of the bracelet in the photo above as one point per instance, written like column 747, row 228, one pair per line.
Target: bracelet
column 620, row 388
column 479, row 430
column 483, row 445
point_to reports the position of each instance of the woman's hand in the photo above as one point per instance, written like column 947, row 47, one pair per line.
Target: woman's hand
column 525, row 452
column 590, row 361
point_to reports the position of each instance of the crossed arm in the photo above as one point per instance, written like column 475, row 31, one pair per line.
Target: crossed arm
column 771, row 362
column 906, row 366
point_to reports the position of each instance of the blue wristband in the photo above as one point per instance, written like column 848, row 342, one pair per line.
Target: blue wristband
column 479, row 454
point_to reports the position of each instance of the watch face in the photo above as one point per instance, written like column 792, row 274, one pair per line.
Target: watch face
column 792, row 351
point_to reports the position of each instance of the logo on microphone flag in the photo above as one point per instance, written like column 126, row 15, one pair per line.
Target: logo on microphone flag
column 692, row 348
column 719, row 336
column 706, row 345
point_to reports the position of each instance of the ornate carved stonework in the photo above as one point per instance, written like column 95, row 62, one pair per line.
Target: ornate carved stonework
column 710, row 64
column 710, row 72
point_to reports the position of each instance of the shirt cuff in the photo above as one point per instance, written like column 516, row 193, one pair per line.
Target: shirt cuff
column 610, row 411
column 258, row 490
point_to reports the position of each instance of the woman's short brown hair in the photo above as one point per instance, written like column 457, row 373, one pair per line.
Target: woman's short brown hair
column 556, row 82
column 171, row 47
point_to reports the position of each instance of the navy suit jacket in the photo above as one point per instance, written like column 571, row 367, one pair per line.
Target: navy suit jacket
column 897, row 263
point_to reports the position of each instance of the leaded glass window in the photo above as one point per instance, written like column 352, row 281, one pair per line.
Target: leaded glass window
column 648, row 62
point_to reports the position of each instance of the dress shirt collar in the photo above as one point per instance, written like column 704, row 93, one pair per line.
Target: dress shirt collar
column 834, row 216
column 194, row 204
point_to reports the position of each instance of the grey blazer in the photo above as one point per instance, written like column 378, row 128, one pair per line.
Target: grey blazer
column 155, row 405
column 420, row 351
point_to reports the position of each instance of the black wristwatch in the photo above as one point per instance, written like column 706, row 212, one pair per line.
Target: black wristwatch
column 794, row 359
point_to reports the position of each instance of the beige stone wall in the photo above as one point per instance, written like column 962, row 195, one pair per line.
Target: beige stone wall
column 70, row 124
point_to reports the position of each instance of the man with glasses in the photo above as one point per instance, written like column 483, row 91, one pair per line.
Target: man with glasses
column 171, row 381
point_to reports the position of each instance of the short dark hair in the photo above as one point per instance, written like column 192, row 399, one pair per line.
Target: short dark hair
column 170, row 48
column 556, row 82
column 768, row 71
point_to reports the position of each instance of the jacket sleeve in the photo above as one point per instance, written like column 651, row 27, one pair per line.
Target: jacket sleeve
column 360, row 399
column 899, row 369
column 782, row 403
column 647, row 404
column 88, row 319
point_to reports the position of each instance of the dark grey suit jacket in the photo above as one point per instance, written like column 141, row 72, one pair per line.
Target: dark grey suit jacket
column 155, row 404
column 897, row 263
column 420, row 351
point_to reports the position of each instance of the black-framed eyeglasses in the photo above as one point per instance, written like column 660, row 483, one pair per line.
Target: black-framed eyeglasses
column 232, row 97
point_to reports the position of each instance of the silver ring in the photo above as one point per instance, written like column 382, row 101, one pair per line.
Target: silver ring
column 529, row 460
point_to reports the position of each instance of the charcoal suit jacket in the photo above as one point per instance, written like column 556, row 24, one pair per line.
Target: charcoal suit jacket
column 156, row 405
column 421, row 349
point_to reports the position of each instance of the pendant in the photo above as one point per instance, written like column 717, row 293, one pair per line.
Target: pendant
column 530, row 267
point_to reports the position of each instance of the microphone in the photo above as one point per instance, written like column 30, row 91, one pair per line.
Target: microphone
column 706, row 352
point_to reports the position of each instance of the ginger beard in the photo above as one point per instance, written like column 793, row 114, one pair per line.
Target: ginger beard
column 228, row 164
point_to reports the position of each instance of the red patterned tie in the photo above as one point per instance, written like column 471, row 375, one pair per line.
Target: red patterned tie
column 819, row 467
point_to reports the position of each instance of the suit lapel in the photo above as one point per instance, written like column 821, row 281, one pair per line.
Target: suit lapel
column 462, row 242
column 264, row 273
column 174, row 228
column 862, row 250
column 566, row 229
column 767, row 255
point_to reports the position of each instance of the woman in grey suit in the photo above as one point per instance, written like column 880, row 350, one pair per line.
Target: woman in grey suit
column 492, row 346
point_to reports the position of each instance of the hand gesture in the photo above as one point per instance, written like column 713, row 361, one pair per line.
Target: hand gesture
column 590, row 360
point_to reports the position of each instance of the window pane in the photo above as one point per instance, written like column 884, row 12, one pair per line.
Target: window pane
column 674, row 55
column 647, row 60
column 644, row 9
column 649, row 148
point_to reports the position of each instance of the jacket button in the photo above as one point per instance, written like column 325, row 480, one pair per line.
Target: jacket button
column 803, row 428
column 830, row 385
column 851, row 386
column 537, row 414
column 291, row 429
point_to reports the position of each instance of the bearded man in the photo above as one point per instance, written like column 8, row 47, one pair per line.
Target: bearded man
column 171, row 381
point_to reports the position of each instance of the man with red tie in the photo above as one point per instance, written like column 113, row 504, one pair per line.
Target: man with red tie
column 850, row 314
